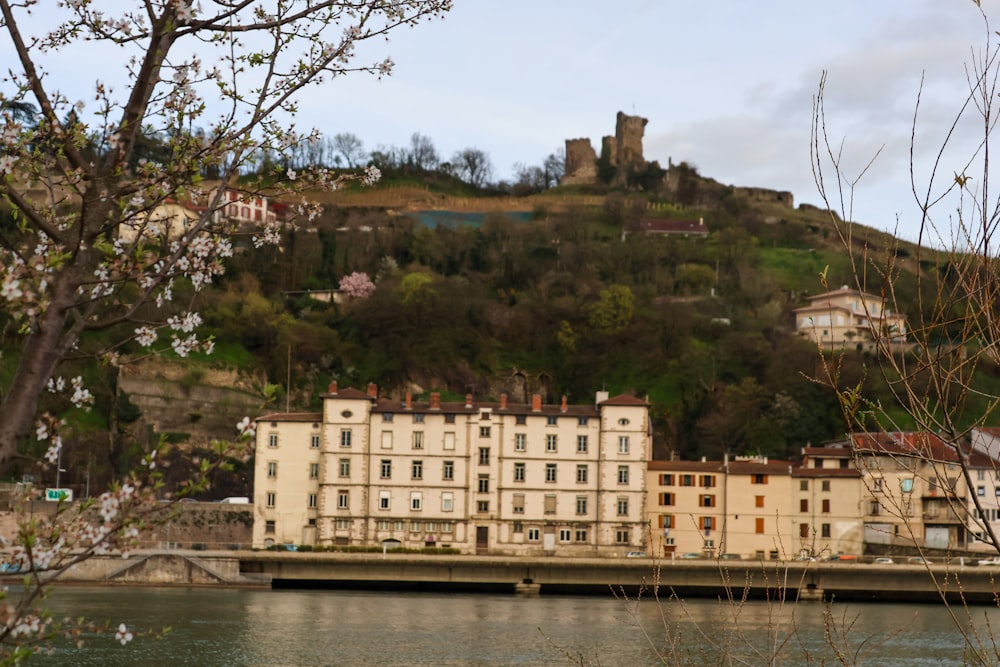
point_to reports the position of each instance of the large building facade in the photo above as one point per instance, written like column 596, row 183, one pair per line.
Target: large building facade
column 483, row 477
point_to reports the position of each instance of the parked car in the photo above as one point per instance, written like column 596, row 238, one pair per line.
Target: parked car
column 990, row 561
column 692, row 555
column 635, row 554
column 883, row 561
column 918, row 560
column 730, row 557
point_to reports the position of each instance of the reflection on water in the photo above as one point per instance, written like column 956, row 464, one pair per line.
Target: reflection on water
column 240, row 627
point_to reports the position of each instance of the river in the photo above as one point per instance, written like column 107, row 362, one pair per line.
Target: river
column 323, row 627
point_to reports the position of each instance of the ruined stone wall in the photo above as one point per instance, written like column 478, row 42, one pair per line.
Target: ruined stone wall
column 581, row 163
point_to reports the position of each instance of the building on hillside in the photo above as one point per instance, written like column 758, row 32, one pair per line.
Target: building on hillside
column 848, row 317
column 826, row 491
column 483, row 477
column 734, row 506
column 166, row 222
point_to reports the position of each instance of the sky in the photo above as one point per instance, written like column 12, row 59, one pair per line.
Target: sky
column 727, row 86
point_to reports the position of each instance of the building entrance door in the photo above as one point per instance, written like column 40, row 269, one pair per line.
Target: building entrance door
column 482, row 539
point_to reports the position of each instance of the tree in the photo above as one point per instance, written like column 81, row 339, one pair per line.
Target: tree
column 473, row 166
column 613, row 311
column 83, row 271
column 350, row 148
column 423, row 155
column 941, row 372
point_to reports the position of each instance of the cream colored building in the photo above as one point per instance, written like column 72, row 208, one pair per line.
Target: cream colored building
column 167, row 222
column 826, row 503
column 848, row 317
column 738, row 506
column 483, row 477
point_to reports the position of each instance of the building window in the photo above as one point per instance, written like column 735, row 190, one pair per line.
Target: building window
column 707, row 481
column 484, row 431
column 518, row 507
column 484, row 456
column 803, row 530
column 447, row 527
column 759, row 525
column 666, row 521
column 666, row 480
column 484, row 415
column 534, row 534
column 623, row 444
column 448, row 471
column 272, row 440
column 581, row 444
column 581, row 504
column 580, row 535
column 874, row 508
column 551, row 420
column 707, row 523
column 447, row 501
column 666, row 499
column 387, row 417
column 707, row 500
column 803, row 504
column 550, row 472
column 418, row 418
column 622, row 536
column 343, row 524
column 416, row 501
column 825, row 530
column 803, row 485
column 399, row 526
column 383, row 500
column 449, row 418
column 314, row 441
column 582, row 421
column 482, row 506
column 271, row 498
column 520, row 420
column 551, row 442
column 345, row 437
column 878, row 484
column 418, row 439
column 623, row 422
column 313, row 471
column 622, row 506
column 826, row 506
column 758, row 501
column 980, row 491
column 345, row 467
column 825, row 486
column 269, row 526
column 386, row 469
column 518, row 527
column 581, row 474
column 449, row 441
column 484, row 484
column 383, row 524
column 417, row 470
column 416, row 526
column 518, row 472
column 687, row 480
column 550, row 503
column 758, row 479
column 386, row 439
column 565, row 534
column 623, row 474
column 272, row 469
column 520, row 442
column 342, row 500
column 980, row 475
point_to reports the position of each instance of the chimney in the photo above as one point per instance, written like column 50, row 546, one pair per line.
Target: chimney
column 435, row 400
column 601, row 397
column 468, row 400
column 562, row 408
column 409, row 401
column 373, row 390
column 536, row 403
column 503, row 401
column 333, row 387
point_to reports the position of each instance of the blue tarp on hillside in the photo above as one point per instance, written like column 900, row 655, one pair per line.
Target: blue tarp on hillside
column 453, row 220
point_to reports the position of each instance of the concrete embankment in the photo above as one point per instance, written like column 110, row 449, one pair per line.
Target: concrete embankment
column 770, row 579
